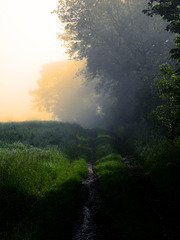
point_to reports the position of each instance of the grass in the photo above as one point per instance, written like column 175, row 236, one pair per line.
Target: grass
column 40, row 184
column 71, row 139
column 123, row 213
column 31, row 181
column 42, row 165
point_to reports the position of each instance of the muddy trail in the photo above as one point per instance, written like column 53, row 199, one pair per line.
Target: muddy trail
column 86, row 228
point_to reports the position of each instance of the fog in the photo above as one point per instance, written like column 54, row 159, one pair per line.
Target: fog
column 64, row 92
column 28, row 40
column 115, row 53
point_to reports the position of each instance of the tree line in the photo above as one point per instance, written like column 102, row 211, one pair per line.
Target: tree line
column 124, row 48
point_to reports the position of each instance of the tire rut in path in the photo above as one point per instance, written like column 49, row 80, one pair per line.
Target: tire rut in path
column 86, row 228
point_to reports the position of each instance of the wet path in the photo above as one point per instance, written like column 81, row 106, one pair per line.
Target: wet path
column 86, row 228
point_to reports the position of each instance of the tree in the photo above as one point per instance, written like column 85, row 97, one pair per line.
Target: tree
column 170, row 11
column 168, row 113
column 63, row 92
column 123, row 48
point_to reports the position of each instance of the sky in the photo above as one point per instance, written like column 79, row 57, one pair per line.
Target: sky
column 28, row 40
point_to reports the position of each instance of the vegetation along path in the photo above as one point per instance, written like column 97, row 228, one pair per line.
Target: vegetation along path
column 163, row 206
column 129, row 207
column 59, row 181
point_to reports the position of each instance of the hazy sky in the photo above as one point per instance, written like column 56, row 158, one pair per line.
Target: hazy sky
column 27, row 41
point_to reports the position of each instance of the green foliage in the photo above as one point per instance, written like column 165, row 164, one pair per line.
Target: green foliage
column 153, row 153
column 160, row 162
column 170, row 11
column 168, row 113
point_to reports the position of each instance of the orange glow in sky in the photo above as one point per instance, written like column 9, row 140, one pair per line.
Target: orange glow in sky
column 28, row 40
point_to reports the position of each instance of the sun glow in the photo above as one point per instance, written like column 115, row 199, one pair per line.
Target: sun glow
column 28, row 40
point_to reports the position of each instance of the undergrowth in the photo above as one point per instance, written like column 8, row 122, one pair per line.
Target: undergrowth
column 160, row 163
column 154, row 153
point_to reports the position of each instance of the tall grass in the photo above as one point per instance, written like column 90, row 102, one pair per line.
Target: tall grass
column 40, row 184
column 29, row 176
column 70, row 139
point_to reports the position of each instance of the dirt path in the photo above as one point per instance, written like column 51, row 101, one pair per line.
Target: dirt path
column 164, row 210
column 86, row 228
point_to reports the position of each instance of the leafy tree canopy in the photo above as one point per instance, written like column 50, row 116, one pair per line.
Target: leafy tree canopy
column 122, row 46
column 170, row 11
column 168, row 113
column 112, row 35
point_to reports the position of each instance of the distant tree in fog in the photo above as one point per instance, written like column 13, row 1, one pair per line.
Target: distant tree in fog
column 62, row 91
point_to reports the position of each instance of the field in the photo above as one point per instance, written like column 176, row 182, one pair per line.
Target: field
column 42, row 166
